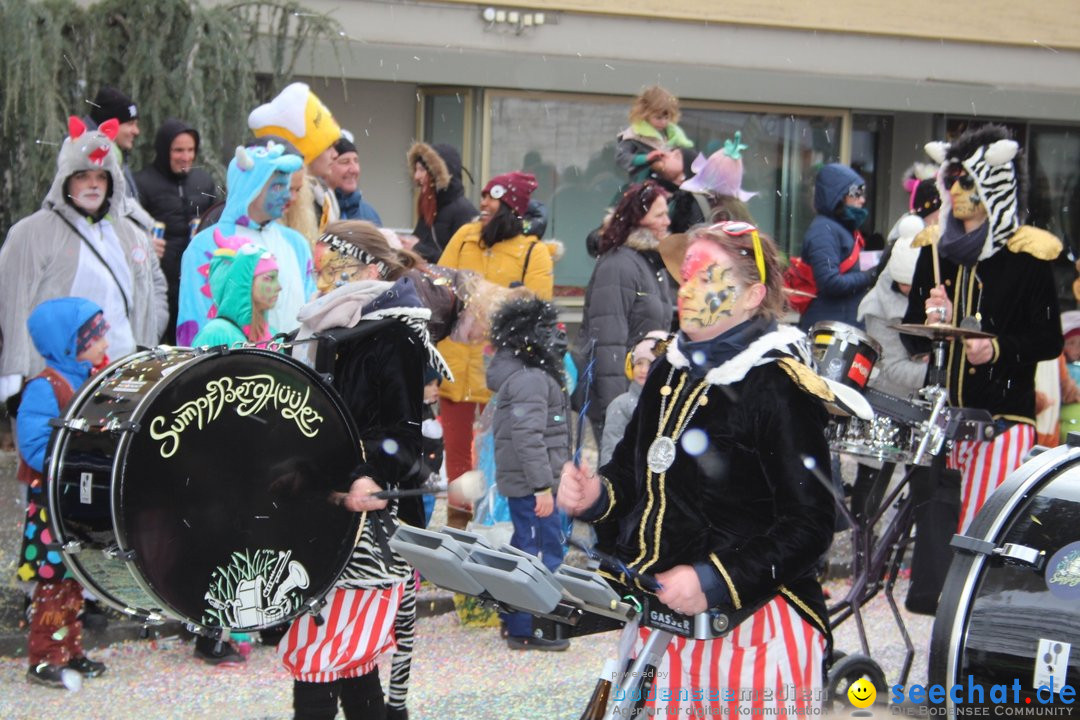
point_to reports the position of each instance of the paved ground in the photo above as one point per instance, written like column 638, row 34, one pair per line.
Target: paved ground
column 458, row 673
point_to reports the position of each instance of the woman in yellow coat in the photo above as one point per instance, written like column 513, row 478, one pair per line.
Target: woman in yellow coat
column 494, row 247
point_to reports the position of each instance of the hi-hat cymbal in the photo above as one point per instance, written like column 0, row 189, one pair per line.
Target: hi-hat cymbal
column 936, row 331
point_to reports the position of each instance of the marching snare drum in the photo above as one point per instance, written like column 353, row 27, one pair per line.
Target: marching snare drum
column 197, row 485
column 1010, row 608
column 844, row 353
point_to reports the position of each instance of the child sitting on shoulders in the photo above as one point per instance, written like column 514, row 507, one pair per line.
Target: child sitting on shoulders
column 653, row 131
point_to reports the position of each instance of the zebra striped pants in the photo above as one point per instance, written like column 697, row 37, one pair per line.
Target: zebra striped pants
column 404, row 633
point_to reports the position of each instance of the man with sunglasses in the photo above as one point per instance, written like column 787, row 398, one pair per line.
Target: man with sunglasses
column 832, row 245
column 995, row 276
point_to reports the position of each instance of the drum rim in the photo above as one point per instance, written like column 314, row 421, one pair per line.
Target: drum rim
column 845, row 329
column 951, row 624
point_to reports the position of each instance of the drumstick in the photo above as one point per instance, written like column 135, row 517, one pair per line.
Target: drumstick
column 470, row 486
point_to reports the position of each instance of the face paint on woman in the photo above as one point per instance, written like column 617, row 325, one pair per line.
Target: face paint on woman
column 277, row 195
column 265, row 291
column 708, row 293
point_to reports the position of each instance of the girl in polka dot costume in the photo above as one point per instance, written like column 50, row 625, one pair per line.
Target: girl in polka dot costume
column 70, row 334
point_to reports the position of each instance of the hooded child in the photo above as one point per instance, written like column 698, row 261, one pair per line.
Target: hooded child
column 258, row 192
column 70, row 333
column 245, row 286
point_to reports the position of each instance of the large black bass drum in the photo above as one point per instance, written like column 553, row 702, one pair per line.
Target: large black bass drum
column 1010, row 608
column 200, row 485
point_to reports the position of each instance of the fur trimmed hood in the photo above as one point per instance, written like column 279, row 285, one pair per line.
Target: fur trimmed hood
column 442, row 161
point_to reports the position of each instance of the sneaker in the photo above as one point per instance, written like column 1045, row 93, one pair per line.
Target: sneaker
column 46, row 675
column 207, row 650
column 535, row 643
column 86, row 667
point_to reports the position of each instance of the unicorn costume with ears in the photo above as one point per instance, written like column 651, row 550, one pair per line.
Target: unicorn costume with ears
column 251, row 171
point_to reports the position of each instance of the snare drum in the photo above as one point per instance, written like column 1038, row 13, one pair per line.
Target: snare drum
column 844, row 353
column 196, row 485
column 881, row 439
column 1010, row 608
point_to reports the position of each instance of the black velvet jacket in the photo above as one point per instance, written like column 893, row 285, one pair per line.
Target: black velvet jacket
column 746, row 506
column 1014, row 293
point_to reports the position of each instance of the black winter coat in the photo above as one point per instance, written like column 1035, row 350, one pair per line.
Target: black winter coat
column 453, row 210
column 629, row 294
column 174, row 200
column 746, row 507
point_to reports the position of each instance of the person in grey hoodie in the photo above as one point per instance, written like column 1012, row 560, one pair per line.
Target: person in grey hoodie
column 532, row 438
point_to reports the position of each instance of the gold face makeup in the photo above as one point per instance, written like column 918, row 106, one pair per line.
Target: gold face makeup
column 708, row 293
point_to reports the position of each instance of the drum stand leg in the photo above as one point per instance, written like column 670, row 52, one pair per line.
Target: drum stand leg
column 652, row 653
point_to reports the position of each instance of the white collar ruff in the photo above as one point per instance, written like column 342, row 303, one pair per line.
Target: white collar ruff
column 787, row 338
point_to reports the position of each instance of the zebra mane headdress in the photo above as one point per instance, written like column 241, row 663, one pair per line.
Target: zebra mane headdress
column 992, row 158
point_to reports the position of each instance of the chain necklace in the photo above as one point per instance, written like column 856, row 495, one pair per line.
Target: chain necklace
column 661, row 453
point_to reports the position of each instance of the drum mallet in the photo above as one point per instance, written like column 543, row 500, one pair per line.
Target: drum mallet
column 468, row 486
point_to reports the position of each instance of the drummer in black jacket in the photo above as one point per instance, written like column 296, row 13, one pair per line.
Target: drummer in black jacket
column 709, row 492
column 996, row 276
column 175, row 191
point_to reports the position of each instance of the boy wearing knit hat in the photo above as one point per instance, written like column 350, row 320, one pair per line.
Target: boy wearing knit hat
column 298, row 115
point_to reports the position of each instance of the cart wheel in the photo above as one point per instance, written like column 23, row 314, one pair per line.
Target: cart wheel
column 847, row 670
column 837, row 656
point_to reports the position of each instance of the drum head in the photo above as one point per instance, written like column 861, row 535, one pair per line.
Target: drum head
column 1002, row 618
column 224, row 499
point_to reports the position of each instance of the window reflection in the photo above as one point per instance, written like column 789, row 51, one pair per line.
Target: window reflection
column 568, row 143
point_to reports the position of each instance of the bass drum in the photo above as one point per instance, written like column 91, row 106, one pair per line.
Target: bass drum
column 1010, row 608
column 200, row 486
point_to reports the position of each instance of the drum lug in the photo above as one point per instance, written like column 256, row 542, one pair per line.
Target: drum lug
column 1010, row 552
column 116, row 426
column 315, row 608
column 113, row 552
column 77, row 424
column 72, row 546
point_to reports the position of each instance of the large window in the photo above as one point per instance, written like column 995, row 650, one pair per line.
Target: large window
column 568, row 142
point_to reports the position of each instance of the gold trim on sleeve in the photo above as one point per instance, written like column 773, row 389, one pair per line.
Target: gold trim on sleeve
column 727, row 579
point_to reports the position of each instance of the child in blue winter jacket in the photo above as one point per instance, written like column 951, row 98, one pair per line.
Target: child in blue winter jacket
column 69, row 333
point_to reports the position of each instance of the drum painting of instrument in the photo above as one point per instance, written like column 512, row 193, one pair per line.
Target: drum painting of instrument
column 1010, row 609
column 197, row 485
column 844, row 353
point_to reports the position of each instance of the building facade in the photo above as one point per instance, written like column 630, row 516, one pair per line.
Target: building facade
column 545, row 88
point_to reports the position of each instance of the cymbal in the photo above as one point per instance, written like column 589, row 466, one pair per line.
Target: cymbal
column 936, row 331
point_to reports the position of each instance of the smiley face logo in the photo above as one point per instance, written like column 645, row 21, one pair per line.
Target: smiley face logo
column 862, row 693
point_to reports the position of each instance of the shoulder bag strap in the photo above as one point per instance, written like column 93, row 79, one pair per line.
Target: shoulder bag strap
column 127, row 305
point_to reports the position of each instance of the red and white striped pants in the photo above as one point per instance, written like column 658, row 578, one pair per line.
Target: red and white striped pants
column 358, row 628
column 985, row 465
column 773, row 660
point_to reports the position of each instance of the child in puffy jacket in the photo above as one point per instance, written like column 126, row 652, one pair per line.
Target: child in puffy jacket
column 69, row 333
column 532, row 438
